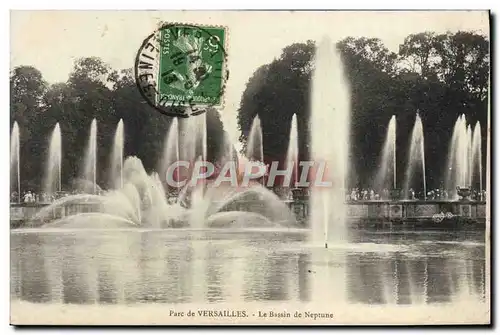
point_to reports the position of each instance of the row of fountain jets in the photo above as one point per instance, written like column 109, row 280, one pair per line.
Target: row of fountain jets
column 464, row 164
column 464, row 157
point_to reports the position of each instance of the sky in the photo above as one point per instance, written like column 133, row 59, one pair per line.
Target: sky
column 52, row 40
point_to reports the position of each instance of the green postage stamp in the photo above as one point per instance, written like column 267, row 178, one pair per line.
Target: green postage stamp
column 183, row 65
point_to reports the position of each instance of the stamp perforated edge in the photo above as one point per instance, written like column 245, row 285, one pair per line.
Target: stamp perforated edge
column 225, row 66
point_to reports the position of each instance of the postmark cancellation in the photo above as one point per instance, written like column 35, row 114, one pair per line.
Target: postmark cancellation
column 183, row 65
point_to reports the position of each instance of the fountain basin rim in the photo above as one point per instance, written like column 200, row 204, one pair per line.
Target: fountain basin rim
column 146, row 230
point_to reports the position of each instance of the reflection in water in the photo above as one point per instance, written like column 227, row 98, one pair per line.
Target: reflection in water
column 215, row 276
column 174, row 266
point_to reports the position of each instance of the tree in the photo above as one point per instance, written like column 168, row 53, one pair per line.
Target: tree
column 26, row 91
column 418, row 53
column 27, row 88
column 382, row 84
column 439, row 75
column 275, row 92
column 464, row 62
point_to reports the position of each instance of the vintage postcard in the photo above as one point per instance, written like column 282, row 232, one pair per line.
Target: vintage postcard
column 249, row 168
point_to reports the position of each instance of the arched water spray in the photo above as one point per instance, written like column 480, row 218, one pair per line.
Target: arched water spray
column 116, row 164
column 292, row 155
column 477, row 164
column 416, row 157
column 255, row 149
column 52, row 180
column 386, row 174
column 15, row 158
column 90, row 172
column 330, row 114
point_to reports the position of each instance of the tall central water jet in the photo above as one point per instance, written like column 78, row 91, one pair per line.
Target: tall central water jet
column 416, row 158
column 14, row 158
column 255, row 149
column 468, row 157
column 201, row 136
column 171, row 150
column 116, row 164
column 330, row 113
column 52, row 180
column 292, row 155
column 90, row 172
column 388, row 161
column 228, row 148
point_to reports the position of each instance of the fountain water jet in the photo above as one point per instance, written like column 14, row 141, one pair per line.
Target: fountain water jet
column 330, row 114
column 388, row 161
column 477, row 164
column 15, row 158
column 116, row 164
column 170, row 149
column 228, row 148
column 255, row 149
column 201, row 136
column 90, row 172
column 142, row 203
column 416, row 157
column 52, row 180
column 459, row 167
column 293, row 149
column 468, row 157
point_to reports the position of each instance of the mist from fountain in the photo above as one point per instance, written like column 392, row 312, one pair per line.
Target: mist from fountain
column 330, row 114
column 416, row 159
column 255, row 149
column 15, row 158
column 52, row 179
column 386, row 175
column 292, row 155
column 90, row 164
column 477, row 163
column 142, row 202
column 116, row 164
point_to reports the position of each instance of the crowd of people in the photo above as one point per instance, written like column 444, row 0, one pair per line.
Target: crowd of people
column 32, row 197
column 355, row 194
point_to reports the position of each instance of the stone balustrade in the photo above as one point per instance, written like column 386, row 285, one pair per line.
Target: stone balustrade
column 388, row 211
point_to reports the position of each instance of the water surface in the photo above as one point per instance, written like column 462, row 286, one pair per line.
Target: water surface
column 183, row 266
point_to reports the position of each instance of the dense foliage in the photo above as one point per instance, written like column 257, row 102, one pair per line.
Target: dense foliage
column 93, row 90
column 441, row 76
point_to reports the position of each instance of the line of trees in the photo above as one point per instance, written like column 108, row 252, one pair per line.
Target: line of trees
column 439, row 75
column 93, row 90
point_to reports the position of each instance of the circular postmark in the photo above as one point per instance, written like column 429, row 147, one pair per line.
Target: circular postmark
column 180, row 69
